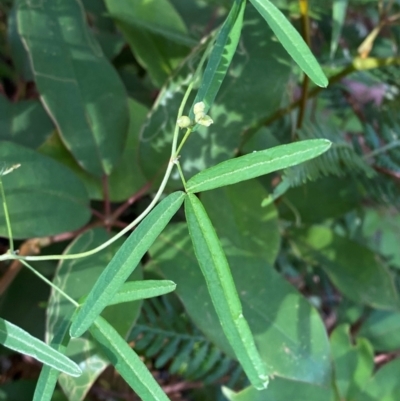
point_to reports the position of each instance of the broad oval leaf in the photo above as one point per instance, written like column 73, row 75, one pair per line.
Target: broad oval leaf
column 385, row 384
column 13, row 337
column 125, row 179
column 156, row 42
column 351, row 267
column 25, row 123
column 127, row 362
column 43, row 196
column 353, row 364
column 125, row 261
column 291, row 41
column 243, row 225
column 282, row 390
column 78, row 86
column 255, row 164
column 382, row 329
column 215, row 269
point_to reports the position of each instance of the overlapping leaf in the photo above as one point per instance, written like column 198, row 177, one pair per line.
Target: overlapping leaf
column 68, row 65
column 25, row 122
column 288, row 331
column 221, row 286
column 13, row 337
column 158, row 43
column 76, row 278
column 241, row 101
column 43, row 196
column 124, row 262
column 351, row 267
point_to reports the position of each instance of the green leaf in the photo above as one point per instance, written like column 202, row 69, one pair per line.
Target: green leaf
column 76, row 278
column 136, row 290
column 282, row 390
column 344, row 190
column 15, row 338
column 223, row 293
column 339, row 8
column 180, row 37
column 125, row 179
column 68, row 66
column 221, row 56
column 16, row 390
column 291, row 41
column 289, row 333
column 25, row 122
column 153, row 39
column 243, row 226
column 385, row 385
column 353, row 364
column 124, row 262
column 43, row 197
column 127, row 362
column 382, row 329
column 240, row 103
column 255, row 164
column 47, row 381
column 18, row 52
column 381, row 230
column 351, row 267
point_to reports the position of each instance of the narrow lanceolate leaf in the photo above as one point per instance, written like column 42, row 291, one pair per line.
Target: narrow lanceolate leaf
column 221, row 286
column 221, row 55
column 48, row 376
column 19, row 340
column 339, row 8
column 80, row 89
column 124, row 262
column 127, row 362
column 291, row 41
column 135, row 290
column 255, row 164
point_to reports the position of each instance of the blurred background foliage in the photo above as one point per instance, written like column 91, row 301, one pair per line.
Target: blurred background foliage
column 89, row 95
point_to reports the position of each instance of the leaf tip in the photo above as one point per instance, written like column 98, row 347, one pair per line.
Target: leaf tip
column 323, row 82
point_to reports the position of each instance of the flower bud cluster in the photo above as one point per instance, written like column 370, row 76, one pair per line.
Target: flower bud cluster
column 199, row 117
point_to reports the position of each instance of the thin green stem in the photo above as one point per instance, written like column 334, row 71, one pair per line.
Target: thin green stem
column 306, row 35
column 187, row 133
column 55, row 288
column 178, row 165
column 294, row 211
column 6, row 216
column 153, row 202
column 137, row 220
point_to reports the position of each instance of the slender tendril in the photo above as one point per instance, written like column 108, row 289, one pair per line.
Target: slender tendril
column 59, row 290
column 174, row 154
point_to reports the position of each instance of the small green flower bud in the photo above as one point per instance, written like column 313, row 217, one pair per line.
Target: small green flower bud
column 184, row 122
column 204, row 120
column 199, row 108
column 198, row 116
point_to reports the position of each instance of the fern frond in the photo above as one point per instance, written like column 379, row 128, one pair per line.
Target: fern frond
column 168, row 337
column 341, row 159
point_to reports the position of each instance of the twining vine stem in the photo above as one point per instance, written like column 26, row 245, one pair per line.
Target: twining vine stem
column 175, row 149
